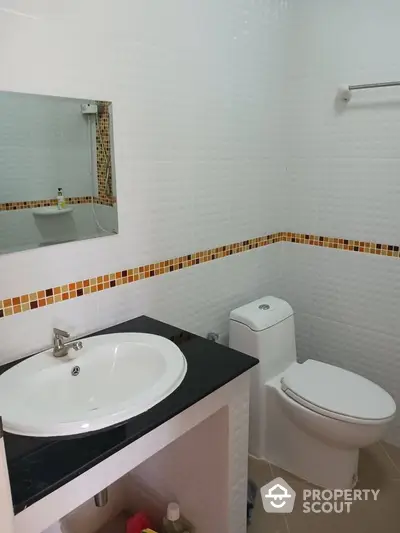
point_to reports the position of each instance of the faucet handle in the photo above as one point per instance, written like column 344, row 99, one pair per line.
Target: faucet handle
column 60, row 333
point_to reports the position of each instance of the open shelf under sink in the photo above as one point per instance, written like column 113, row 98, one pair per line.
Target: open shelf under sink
column 116, row 525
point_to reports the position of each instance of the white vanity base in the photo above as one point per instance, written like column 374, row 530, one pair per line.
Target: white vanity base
column 205, row 470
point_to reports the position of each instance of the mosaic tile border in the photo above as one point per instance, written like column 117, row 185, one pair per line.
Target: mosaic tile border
column 31, row 204
column 367, row 247
column 72, row 200
column 76, row 289
column 110, row 201
column 69, row 291
column 103, row 154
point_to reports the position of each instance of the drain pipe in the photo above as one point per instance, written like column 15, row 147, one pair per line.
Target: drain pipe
column 101, row 499
column 213, row 337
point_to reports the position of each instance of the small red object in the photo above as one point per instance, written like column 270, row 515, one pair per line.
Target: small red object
column 137, row 522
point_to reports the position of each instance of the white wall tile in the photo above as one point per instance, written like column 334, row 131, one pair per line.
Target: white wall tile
column 369, row 353
column 197, row 298
column 342, row 180
column 197, row 147
column 225, row 128
column 347, row 312
column 344, row 162
column 353, row 288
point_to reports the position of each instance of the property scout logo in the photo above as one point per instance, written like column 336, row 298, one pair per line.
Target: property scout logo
column 279, row 497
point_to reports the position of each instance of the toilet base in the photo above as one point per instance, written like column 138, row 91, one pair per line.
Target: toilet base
column 327, row 468
column 286, row 446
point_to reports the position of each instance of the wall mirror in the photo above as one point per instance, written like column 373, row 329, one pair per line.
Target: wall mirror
column 57, row 173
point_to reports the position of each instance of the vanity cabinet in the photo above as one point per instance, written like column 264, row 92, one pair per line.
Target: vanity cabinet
column 192, row 447
column 6, row 506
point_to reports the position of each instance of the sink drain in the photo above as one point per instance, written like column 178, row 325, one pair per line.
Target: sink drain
column 75, row 371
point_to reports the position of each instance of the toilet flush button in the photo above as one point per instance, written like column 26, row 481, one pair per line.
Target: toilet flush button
column 264, row 307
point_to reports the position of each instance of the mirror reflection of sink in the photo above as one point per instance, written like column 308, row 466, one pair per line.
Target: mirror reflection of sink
column 112, row 379
column 51, row 211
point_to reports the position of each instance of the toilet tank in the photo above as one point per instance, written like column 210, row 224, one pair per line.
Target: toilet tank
column 264, row 329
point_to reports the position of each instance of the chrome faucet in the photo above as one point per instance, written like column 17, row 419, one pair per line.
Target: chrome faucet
column 61, row 348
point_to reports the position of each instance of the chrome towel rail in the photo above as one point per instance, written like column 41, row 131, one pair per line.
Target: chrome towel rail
column 344, row 92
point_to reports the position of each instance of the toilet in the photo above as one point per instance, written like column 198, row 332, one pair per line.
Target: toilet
column 310, row 419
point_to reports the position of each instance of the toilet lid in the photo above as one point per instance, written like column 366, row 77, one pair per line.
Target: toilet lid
column 333, row 391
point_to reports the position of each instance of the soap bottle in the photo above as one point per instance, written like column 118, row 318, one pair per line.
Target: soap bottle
column 173, row 523
column 60, row 199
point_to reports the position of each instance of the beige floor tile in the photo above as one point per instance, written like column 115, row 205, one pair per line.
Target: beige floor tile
column 364, row 517
column 287, row 476
column 266, row 523
column 394, row 454
column 375, row 468
column 260, row 472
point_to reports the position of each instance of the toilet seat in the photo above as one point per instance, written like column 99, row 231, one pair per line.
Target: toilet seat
column 337, row 393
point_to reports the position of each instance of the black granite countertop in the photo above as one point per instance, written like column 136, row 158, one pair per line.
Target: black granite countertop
column 39, row 466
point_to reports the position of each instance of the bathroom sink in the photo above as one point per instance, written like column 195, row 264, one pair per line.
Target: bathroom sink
column 111, row 379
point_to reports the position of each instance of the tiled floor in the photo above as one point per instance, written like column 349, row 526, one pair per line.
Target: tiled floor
column 379, row 468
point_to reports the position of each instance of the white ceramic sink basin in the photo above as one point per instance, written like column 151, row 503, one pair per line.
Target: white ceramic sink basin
column 120, row 376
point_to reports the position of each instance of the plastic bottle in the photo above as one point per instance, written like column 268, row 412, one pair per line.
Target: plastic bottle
column 60, row 199
column 137, row 523
column 173, row 523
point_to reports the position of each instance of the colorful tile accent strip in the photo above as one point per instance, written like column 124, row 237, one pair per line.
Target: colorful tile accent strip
column 366, row 247
column 31, row 204
column 72, row 200
column 103, row 154
column 110, row 201
column 76, row 289
column 35, row 300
